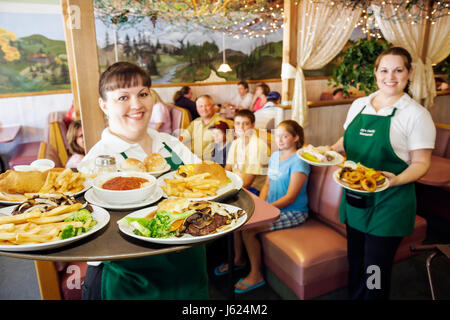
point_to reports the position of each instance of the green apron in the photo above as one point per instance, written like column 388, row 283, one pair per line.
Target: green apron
column 387, row 213
column 172, row 276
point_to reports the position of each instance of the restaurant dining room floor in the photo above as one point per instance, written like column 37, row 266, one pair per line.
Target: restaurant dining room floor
column 409, row 279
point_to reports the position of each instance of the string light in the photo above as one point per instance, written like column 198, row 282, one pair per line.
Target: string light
column 234, row 17
column 414, row 12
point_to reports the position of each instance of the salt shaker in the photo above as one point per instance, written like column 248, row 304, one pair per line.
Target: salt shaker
column 105, row 164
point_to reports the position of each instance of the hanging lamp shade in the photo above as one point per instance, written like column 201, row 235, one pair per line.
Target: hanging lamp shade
column 224, row 67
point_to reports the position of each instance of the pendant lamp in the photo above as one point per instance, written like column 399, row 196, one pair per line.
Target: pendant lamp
column 224, row 67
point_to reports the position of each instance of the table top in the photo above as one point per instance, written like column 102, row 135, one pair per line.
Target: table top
column 439, row 172
column 9, row 133
column 111, row 244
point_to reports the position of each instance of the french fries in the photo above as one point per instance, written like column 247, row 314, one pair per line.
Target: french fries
column 66, row 181
column 36, row 226
column 196, row 186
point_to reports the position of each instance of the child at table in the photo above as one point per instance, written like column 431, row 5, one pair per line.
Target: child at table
column 285, row 188
column 249, row 154
column 75, row 140
column 221, row 147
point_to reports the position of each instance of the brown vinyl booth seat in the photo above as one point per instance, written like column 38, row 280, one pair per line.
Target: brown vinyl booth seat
column 311, row 259
column 433, row 201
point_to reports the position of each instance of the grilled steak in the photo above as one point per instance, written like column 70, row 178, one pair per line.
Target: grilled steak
column 197, row 227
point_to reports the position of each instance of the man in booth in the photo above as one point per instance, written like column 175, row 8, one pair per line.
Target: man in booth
column 197, row 136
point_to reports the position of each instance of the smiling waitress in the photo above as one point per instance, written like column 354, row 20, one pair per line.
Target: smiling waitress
column 387, row 131
column 126, row 100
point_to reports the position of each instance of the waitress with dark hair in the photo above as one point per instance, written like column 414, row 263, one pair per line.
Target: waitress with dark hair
column 387, row 131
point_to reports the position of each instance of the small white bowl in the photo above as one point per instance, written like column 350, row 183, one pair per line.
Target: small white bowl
column 43, row 164
column 123, row 196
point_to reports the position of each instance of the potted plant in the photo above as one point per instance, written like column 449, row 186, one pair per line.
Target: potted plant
column 356, row 66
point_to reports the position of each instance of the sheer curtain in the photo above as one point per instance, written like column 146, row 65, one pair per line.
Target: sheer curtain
column 323, row 31
column 411, row 37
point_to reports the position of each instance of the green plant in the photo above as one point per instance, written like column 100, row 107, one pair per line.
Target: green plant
column 443, row 67
column 356, row 66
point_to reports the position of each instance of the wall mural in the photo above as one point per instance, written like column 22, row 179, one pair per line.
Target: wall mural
column 189, row 54
column 32, row 49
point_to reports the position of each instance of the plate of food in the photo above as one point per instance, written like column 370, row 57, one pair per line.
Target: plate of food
column 18, row 186
column 320, row 156
column 361, row 179
column 201, row 181
column 32, row 227
column 182, row 221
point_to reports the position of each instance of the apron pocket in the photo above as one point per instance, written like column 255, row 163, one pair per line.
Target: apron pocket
column 359, row 200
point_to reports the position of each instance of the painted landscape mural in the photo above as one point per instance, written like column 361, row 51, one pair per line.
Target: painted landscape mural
column 190, row 54
column 32, row 53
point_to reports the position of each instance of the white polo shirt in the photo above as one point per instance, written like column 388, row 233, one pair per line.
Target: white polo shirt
column 110, row 144
column 245, row 101
column 412, row 127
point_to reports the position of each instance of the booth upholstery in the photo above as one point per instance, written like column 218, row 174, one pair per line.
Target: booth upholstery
column 434, row 201
column 311, row 259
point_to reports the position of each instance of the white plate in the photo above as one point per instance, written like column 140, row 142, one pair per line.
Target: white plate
column 99, row 214
column 164, row 170
column 236, row 183
column 186, row 238
column 338, row 158
column 92, row 198
column 384, row 186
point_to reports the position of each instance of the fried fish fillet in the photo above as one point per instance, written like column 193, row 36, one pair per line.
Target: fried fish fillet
column 22, row 182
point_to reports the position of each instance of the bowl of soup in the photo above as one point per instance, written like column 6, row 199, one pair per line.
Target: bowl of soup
column 124, row 187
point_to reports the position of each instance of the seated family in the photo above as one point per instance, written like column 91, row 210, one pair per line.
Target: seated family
column 126, row 100
column 285, row 188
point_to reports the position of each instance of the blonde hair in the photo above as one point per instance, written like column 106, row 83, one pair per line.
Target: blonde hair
column 156, row 97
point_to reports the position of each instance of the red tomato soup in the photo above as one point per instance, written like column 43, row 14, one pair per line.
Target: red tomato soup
column 124, row 183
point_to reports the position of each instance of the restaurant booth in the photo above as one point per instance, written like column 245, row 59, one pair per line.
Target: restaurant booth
column 303, row 262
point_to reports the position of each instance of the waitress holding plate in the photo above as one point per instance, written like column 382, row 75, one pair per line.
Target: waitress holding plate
column 391, row 132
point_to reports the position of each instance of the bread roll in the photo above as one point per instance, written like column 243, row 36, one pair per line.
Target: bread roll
column 132, row 164
column 154, row 162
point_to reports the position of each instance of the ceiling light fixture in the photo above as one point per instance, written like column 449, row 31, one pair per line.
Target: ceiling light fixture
column 224, row 67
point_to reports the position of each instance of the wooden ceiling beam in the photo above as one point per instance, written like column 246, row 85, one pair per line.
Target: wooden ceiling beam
column 290, row 34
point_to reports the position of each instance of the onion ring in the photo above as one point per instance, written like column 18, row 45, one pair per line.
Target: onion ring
column 355, row 176
column 369, row 184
